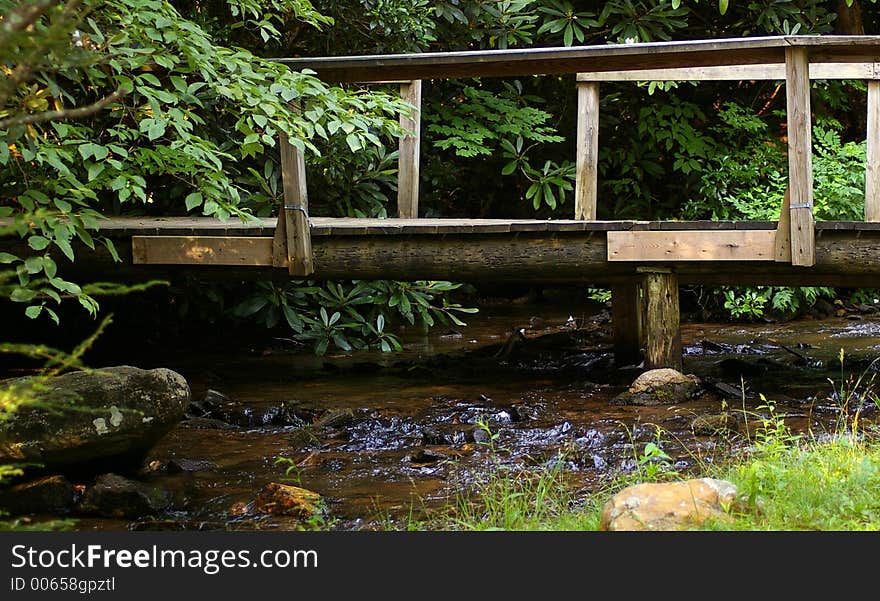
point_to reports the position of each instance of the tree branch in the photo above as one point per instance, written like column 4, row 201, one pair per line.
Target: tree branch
column 76, row 113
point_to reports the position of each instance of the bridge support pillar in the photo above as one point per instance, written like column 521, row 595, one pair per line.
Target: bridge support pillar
column 661, row 320
column 627, row 311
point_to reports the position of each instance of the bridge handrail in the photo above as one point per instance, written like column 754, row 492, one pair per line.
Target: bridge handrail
column 794, row 59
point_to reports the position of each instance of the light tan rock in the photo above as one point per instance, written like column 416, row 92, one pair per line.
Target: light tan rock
column 668, row 505
column 663, row 386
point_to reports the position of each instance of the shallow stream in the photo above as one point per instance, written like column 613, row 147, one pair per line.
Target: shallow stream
column 381, row 437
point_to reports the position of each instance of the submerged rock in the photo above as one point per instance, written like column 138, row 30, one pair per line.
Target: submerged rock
column 719, row 423
column 662, row 386
column 668, row 505
column 114, row 496
column 85, row 418
column 49, row 494
column 284, row 499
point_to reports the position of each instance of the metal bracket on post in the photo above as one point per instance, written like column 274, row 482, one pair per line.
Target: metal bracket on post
column 800, row 161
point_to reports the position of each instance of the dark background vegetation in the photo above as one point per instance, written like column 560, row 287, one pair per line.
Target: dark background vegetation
column 180, row 116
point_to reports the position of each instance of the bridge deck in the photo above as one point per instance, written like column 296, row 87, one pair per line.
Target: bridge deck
column 477, row 250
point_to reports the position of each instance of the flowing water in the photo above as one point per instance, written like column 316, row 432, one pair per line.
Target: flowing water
column 381, row 437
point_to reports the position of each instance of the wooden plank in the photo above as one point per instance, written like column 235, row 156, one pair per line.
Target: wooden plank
column 782, row 240
column 691, row 245
column 627, row 311
column 662, row 321
column 692, row 225
column 293, row 222
column 586, row 190
column 597, row 58
column 872, row 159
column 408, row 154
column 773, row 72
column 800, row 159
column 202, row 250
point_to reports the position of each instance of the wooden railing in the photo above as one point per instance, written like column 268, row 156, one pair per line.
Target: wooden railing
column 794, row 59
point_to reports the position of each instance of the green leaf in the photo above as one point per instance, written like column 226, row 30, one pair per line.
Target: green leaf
column 6, row 258
column 33, row 265
column 22, row 295
column 95, row 170
column 38, row 242
column 354, row 143
column 193, row 200
column 33, row 311
column 722, row 6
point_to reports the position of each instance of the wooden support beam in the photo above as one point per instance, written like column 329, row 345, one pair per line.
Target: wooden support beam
column 587, row 183
column 692, row 245
column 768, row 72
column 662, row 321
column 800, row 159
column 872, row 160
column 292, row 245
column 202, row 250
column 408, row 161
column 627, row 309
column 782, row 238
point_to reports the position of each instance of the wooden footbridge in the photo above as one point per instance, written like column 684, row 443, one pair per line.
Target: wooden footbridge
column 643, row 262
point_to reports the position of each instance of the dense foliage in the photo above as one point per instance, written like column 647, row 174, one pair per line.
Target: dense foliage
column 113, row 107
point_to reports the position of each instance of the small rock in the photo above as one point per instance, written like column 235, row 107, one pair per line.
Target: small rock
column 207, row 423
column 427, row 456
column 114, row 496
column 205, row 407
column 668, row 505
column 662, row 386
column 714, row 424
column 49, row 494
column 189, row 465
column 284, row 499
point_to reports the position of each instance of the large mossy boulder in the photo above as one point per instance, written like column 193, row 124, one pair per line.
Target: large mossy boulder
column 91, row 419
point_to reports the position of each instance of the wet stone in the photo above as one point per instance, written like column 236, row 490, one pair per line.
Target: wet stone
column 49, row 494
column 207, row 423
column 284, row 499
column 660, row 387
column 714, row 424
column 189, row 465
column 114, row 496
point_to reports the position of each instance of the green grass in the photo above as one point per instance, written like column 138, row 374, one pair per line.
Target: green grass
column 786, row 481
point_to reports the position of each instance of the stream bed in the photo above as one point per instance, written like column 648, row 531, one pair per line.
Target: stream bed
column 382, row 437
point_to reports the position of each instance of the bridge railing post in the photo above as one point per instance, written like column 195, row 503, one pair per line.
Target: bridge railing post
column 292, row 243
column 872, row 152
column 587, row 165
column 800, row 156
column 408, row 154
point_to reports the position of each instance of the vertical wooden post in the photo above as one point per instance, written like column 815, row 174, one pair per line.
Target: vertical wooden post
column 587, row 182
column 782, row 253
column 626, row 323
column 800, row 156
column 662, row 321
column 292, row 244
column 408, row 155
column 872, row 160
